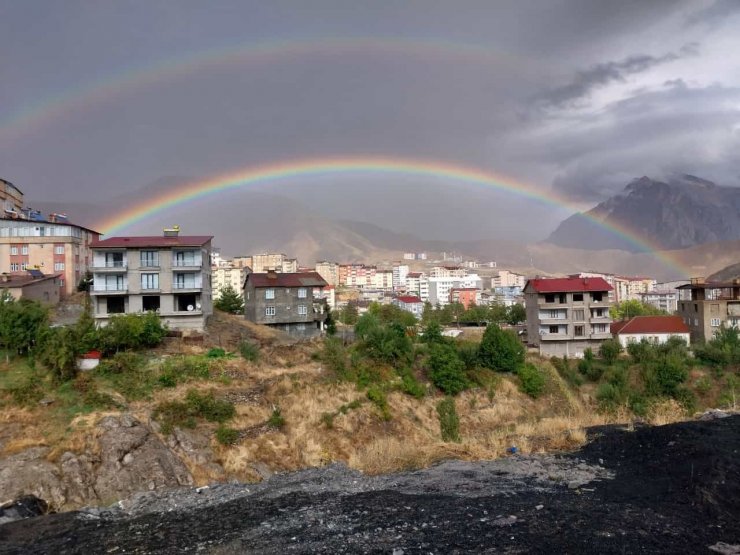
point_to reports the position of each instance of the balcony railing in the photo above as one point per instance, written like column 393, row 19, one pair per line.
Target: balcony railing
column 187, row 285
column 109, row 288
column 109, row 264
column 187, row 263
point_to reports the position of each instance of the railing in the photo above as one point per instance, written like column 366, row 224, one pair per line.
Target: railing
column 187, row 285
column 110, row 288
column 109, row 263
column 187, row 263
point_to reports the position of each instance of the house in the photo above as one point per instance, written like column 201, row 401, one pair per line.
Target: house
column 11, row 198
column 466, row 296
column 293, row 302
column 565, row 316
column 410, row 303
column 707, row 306
column 169, row 274
column 33, row 285
column 655, row 329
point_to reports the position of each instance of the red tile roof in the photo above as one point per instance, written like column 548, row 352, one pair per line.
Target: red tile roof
column 158, row 241
column 276, row 279
column 650, row 324
column 409, row 299
column 567, row 285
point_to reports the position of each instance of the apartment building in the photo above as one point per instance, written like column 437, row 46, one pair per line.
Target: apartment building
column 227, row 276
column 410, row 303
column 400, row 271
column 169, row 274
column 329, row 271
column 417, row 284
column 440, row 287
column 666, row 300
column 609, row 278
column 505, row 278
column 53, row 247
column 357, row 275
column 293, row 302
column 11, row 198
column 466, row 296
column 448, row 272
column 567, row 315
column 382, row 280
column 630, row 288
column 706, row 307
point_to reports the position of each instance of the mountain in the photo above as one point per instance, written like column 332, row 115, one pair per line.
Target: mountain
column 726, row 274
column 678, row 213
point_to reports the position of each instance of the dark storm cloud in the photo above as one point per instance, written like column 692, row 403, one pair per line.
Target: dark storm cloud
column 604, row 73
column 715, row 14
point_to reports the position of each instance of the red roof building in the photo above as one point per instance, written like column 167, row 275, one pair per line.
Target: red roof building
column 277, row 279
column 656, row 329
column 568, row 285
column 152, row 241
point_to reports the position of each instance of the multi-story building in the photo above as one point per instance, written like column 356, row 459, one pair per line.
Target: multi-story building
column 630, row 288
column 609, row 278
column 567, row 315
column 410, row 303
column 466, row 296
column 11, row 198
column 448, row 272
column 356, row 275
column 505, row 278
column 329, row 271
column 382, row 279
column 662, row 300
column 227, row 276
column 439, row 287
column 169, row 274
column 57, row 247
column 400, row 271
column 706, row 307
column 242, row 261
column 295, row 302
column 418, row 284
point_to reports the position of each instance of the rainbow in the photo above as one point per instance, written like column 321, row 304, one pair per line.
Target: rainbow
column 326, row 167
column 83, row 97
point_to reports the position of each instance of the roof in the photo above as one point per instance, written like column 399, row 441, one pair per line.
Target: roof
column 67, row 222
column 276, row 279
column 414, row 274
column 22, row 279
column 464, row 289
column 650, row 324
column 710, row 285
column 567, row 285
column 159, row 241
column 409, row 299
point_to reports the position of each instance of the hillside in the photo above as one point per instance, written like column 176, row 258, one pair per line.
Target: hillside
column 727, row 274
column 682, row 212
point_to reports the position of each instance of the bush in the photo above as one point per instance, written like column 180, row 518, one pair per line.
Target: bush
column 384, row 342
column 27, row 393
column 334, row 355
column 378, row 398
column 500, row 350
column 670, row 372
column 229, row 301
column 227, row 436
column 276, row 420
column 532, row 380
column 608, row 394
column 249, row 351
column 183, row 368
column 122, row 363
column 410, row 385
column 446, row 370
column 131, row 332
column 216, row 352
column 591, row 369
column 195, row 405
column 609, row 350
column 449, row 422
column 467, row 351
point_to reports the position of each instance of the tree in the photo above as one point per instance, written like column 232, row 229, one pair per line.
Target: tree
column 21, row 322
column 331, row 325
column 516, row 314
column 631, row 308
column 230, row 301
column 432, row 333
column 59, row 352
column 609, row 350
column 500, row 350
column 446, row 370
column 349, row 314
column 383, row 342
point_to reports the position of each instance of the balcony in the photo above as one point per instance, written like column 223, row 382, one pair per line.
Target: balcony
column 601, row 335
column 109, row 290
column 185, row 264
column 555, row 337
column 186, row 287
column 109, row 266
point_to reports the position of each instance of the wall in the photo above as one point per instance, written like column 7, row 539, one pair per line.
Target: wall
column 626, row 339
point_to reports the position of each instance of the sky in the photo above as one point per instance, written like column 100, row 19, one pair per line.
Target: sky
column 102, row 100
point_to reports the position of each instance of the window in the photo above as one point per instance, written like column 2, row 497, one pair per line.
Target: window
column 577, row 297
column 24, row 249
column 14, row 267
column 269, row 294
column 302, row 293
column 114, row 260
column 696, row 322
column 59, row 249
column 150, row 303
column 715, row 322
column 579, row 314
column 554, row 329
column 187, row 258
column 269, row 311
column 579, row 331
column 598, row 313
column 24, row 265
column 302, row 310
column 597, row 297
column 149, row 259
column 13, row 251
column 58, row 266
column 563, row 298
column 115, row 305
column 599, row 328
column 150, row 281
column 549, row 298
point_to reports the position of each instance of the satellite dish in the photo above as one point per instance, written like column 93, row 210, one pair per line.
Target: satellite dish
column 197, row 305
column 190, row 308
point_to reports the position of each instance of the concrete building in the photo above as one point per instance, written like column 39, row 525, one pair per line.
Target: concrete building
column 225, row 276
column 33, row 285
column 662, row 300
column 357, row 275
column 242, row 262
column 400, row 271
column 505, row 278
column 57, row 247
column 417, row 284
column 11, row 198
column 705, row 307
column 448, row 272
column 567, row 315
column 329, row 271
column 410, row 303
column 382, row 279
column 292, row 302
column 466, row 296
column 655, row 329
column 440, row 287
column 169, row 274
column 630, row 288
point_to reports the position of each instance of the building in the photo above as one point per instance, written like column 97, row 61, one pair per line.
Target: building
column 655, row 329
column 417, row 284
column 400, row 271
column 295, row 303
column 357, row 276
column 50, row 245
column 169, row 274
column 410, row 303
column 565, row 316
column 508, row 296
column 505, row 278
column 705, row 307
column 466, row 296
column 382, row 279
column 242, row 261
column 329, row 271
column 227, row 276
column 448, row 272
column 630, row 288
column 662, row 300
column 32, row 285
column 439, row 287
column 11, row 198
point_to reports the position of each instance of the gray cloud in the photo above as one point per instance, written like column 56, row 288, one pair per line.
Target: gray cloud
column 715, row 14
column 601, row 74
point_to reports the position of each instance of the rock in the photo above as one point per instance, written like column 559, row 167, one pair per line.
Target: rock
column 26, row 506
column 77, row 472
column 713, row 414
column 539, row 507
column 29, row 473
column 725, row 548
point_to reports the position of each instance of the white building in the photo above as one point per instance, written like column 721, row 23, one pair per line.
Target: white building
column 439, row 287
column 329, row 271
column 505, row 278
column 400, row 271
column 410, row 303
column 418, row 284
column 662, row 300
column 655, row 329
column 227, row 276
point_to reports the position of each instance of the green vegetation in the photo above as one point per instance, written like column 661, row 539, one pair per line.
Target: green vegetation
column 500, row 350
column 531, row 379
column 455, row 313
column 609, row 350
column 226, row 435
column 446, row 369
column 229, row 301
column 276, row 420
column 449, row 422
column 377, row 396
column 249, row 351
column 629, row 309
column 722, row 351
column 195, row 406
column 21, row 323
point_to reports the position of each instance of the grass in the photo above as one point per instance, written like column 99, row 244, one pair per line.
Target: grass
column 196, row 406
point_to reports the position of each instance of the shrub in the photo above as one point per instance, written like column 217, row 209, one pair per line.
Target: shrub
column 27, row 393
column 227, row 436
column 449, row 422
column 384, row 342
column 378, row 398
column 59, row 353
column 327, row 419
column 500, row 350
column 122, row 363
column 249, row 351
column 195, row 405
column 608, row 394
column 334, row 355
column 609, row 350
column 591, row 369
column 276, row 420
column 180, row 369
column 467, row 351
column 433, row 333
column 446, row 370
column 131, row 332
column 410, row 385
column 216, row 352
column 686, row 398
column 670, row 372
column 532, row 380
column 229, row 301
column 703, row 385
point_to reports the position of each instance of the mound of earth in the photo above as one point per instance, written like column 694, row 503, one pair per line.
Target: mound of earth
column 669, row 489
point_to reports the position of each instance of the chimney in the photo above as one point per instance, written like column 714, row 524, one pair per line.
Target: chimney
column 173, row 231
